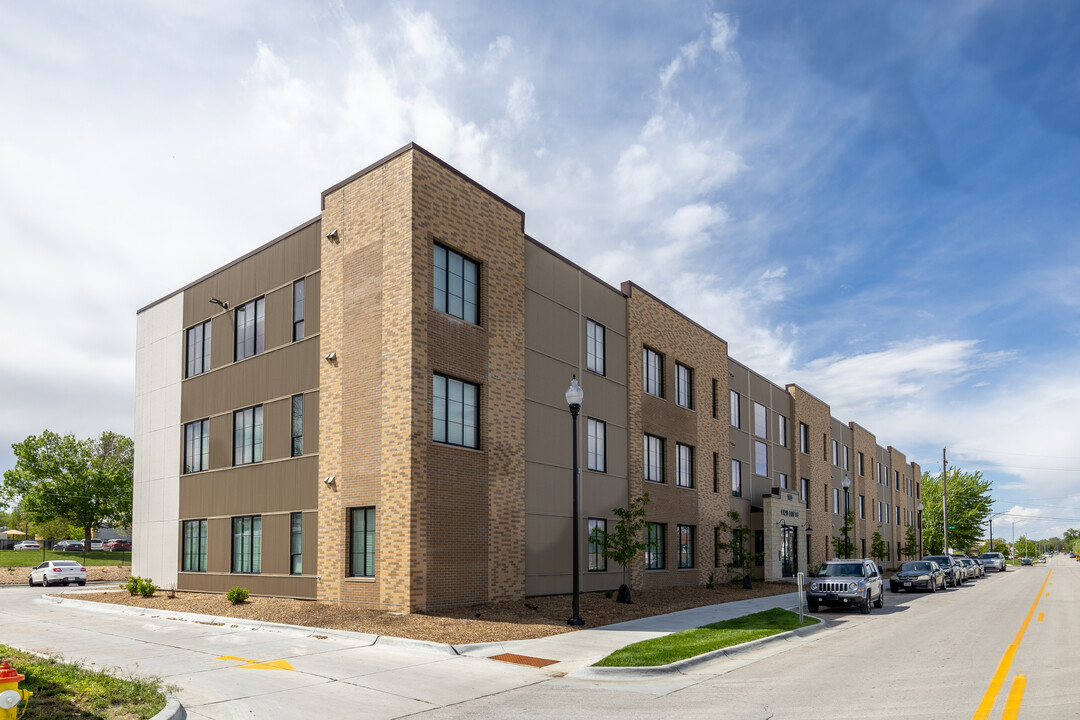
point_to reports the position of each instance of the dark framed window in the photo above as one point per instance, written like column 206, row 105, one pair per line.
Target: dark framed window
column 248, row 435
column 684, row 386
column 250, row 328
column 716, row 472
column 654, row 546
column 685, row 545
column 597, row 451
column 836, row 501
column 736, row 409
column 457, row 285
column 594, row 347
column 247, row 544
column 783, row 478
column 761, row 459
column 862, row 464
column 193, row 557
column 652, row 367
column 737, row 547
column 298, row 310
column 804, row 438
column 736, row 478
column 835, row 453
column 862, row 507
column 759, row 548
column 455, row 412
column 597, row 535
column 296, row 543
column 781, row 426
column 362, row 542
column 804, row 491
column 761, row 421
column 197, row 446
column 654, row 458
column 198, row 350
column 297, row 425
column 684, row 465
column 847, row 457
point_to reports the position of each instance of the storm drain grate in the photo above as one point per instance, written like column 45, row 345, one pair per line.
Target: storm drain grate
column 523, row 660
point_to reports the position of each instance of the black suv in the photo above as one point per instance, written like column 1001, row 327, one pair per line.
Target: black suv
column 954, row 573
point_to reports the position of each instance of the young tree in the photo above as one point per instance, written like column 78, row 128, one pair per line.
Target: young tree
column 879, row 548
column 911, row 543
column 83, row 482
column 842, row 544
column 623, row 544
column 740, row 559
column 969, row 506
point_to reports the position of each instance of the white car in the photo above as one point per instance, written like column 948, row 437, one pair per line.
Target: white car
column 58, row 572
column 27, row 545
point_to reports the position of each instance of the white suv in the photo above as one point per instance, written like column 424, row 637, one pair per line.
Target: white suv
column 993, row 560
column 846, row 583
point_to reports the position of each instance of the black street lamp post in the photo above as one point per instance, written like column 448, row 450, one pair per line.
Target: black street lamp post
column 574, row 396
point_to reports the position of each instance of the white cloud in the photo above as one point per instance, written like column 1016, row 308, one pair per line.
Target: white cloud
column 497, row 51
column 520, row 105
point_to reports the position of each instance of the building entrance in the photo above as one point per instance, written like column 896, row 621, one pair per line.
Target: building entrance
column 789, row 551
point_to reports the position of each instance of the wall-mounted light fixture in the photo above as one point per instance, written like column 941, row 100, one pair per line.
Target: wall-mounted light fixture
column 333, row 236
column 330, row 356
column 329, row 479
column 224, row 304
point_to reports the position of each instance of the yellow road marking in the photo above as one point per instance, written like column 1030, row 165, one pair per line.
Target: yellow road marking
column 992, row 690
column 1016, row 694
column 1039, row 619
column 257, row 665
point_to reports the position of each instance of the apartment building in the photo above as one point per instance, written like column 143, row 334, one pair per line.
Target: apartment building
column 370, row 409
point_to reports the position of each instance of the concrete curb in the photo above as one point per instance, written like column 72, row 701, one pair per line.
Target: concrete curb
column 682, row 666
column 173, row 710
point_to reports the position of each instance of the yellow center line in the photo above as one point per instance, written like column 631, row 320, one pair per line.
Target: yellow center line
column 1016, row 694
column 992, row 690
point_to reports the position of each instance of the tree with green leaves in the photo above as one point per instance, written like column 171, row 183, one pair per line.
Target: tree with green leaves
column 623, row 544
column 879, row 547
column 911, row 543
column 842, row 544
column 81, row 482
column 969, row 506
column 740, row 559
column 1001, row 545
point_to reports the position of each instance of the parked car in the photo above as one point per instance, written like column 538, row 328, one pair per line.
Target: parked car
column 1025, row 561
column 28, row 545
column 977, row 569
column 116, row 544
column 918, row 575
column 954, row 573
column 846, row 583
column 96, row 544
column 58, row 572
column 970, row 566
column 63, row 545
column 993, row 561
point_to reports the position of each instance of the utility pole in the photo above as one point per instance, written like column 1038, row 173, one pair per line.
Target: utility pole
column 945, row 501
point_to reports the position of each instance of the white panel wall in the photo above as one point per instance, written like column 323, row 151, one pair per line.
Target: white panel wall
column 159, row 348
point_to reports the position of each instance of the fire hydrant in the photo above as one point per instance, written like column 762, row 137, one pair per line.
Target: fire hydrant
column 10, row 694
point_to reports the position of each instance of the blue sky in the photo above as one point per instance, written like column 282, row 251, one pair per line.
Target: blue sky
column 874, row 200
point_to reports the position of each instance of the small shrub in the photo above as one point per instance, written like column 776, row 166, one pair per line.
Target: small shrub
column 237, row 595
column 140, row 586
column 609, row 594
column 710, row 584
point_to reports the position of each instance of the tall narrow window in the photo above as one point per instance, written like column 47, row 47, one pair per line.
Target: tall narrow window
column 250, row 331
column 198, row 350
column 654, row 546
column 835, row 452
column 247, row 544
column 684, row 386
column 597, row 460
column 597, row 533
column 248, row 435
column 684, row 472
column 804, row 438
column 194, row 546
column 197, row 446
column 296, row 543
column 736, row 409
column 783, row 481
column 298, row 310
column 362, row 542
column 847, row 457
column 653, row 372
column 804, row 491
column 716, row 472
column 781, row 427
column 888, row 513
column 594, row 347
column 714, row 401
column 455, row 412
column 761, row 459
column 836, row 501
column 861, row 461
column 685, row 545
column 457, row 283
column 297, row 425
column 736, row 478
column 862, row 507
column 761, row 421
column 654, row 458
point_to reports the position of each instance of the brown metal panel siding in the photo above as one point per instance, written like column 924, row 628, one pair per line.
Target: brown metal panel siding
column 309, row 543
column 311, row 423
column 222, row 339
column 279, row 313
column 282, row 486
column 218, row 545
column 312, row 293
column 277, row 429
column 221, row 443
column 275, row 543
column 294, row 586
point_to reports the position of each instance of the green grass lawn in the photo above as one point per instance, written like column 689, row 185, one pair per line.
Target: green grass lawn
column 33, row 558
column 68, row 690
column 698, row 641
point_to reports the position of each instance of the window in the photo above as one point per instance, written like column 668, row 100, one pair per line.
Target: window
column 362, row 542
column 879, row 472
column 736, row 478
column 804, row 438
column 898, row 516
column 197, row 446
column 654, row 546
column 248, row 435
column 896, row 477
column 847, row 457
column 597, row 430
column 594, row 347
column 684, row 465
column 198, row 350
column 862, row 507
column 597, row 533
column 716, row 472
column 781, row 435
column 759, row 548
column 653, row 372
column 250, row 323
column 879, row 504
column 714, row 398
column 804, row 491
column 783, row 481
column 685, row 545
column 454, row 412
column 684, row 386
column 836, row 501
column 761, row 421
column 194, row 546
column 457, row 282
column 247, row 544
column 298, row 310
column 297, row 425
column 887, row 513
column 736, row 410
column 737, row 548
column 835, row 453
column 761, row 458
column 861, row 468
column 296, row 543
column 654, row 458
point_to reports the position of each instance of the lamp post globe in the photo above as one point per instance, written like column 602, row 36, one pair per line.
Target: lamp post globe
column 574, row 396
